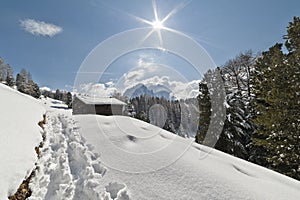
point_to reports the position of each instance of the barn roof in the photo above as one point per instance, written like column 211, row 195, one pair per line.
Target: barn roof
column 100, row 100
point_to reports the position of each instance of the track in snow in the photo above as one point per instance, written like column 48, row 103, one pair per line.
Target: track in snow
column 68, row 169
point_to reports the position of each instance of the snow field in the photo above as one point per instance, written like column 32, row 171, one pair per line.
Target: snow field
column 156, row 164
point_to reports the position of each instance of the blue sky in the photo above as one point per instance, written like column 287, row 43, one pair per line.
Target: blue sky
column 223, row 28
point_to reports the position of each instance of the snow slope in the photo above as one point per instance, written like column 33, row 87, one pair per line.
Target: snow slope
column 121, row 158
column 19, row 134
column 156, row 164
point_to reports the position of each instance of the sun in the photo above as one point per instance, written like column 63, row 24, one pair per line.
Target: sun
column 157, row 24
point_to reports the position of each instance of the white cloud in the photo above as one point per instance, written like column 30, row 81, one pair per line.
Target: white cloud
column 36, row 27
column 110, row 84
column 97, row 89
column 45, row 88
column 133, row 76
column 146, row 69
column 147, row 64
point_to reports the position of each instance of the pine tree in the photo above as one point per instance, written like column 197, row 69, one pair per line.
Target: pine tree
column 21, row 83
column 69, row 100
column 2, row 70
column 276, row 86
column 57, row 95
column 216, row 89
column 211, row 126
column 33, row 89
column 10, row 81
column 205, row 112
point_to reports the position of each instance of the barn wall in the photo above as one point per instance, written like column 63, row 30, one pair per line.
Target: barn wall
column 80, row 107
column 118, row 109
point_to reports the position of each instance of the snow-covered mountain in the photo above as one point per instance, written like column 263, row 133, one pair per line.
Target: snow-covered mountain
column 160, row 90
column 137, row 90
column 117, row 157
column 151, row 90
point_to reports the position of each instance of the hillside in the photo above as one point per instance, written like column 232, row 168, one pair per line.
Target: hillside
column 19, row 135
column 117, row 157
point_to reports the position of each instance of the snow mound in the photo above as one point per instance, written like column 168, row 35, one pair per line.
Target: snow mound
column 19, row 135
column 156, row 164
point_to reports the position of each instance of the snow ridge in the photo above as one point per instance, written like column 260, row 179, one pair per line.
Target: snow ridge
column 68, row 169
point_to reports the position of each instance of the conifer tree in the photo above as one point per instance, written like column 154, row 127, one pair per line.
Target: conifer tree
column 69, row 100
column 216, row 89
column 204, row 112
column 26, row 85
column 276, row 86
column 10, row 81
column 21, row 83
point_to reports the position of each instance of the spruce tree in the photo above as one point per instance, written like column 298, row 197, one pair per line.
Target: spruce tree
column 2, row 70
column 69, row 100
column 21, row 83
column 33, row 89
column 204, row 112
column 57, row 95
column 275, row 143
column 10, row 81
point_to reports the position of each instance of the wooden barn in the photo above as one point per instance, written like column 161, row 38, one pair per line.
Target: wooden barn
column 98, row 105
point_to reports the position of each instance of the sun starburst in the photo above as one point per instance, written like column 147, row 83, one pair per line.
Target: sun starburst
column 158, row 24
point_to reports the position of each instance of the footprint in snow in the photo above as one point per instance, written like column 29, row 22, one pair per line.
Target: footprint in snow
column 117, row 191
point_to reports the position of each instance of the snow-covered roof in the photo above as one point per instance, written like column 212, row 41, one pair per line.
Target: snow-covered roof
column 100, row 100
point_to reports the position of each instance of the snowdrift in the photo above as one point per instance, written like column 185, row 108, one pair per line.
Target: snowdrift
column 19, row 135
column 156, row 164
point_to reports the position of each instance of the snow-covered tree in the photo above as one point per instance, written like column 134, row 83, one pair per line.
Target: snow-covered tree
column 26, row 85
column 238, row 127
column 6, row 72
column 228, row 85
